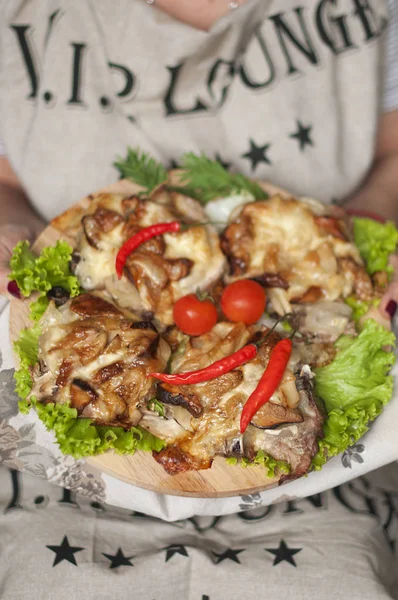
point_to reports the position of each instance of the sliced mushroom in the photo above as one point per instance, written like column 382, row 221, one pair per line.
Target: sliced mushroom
column 108, row 372
column 81, row 394
column 105, row 408
column 84, row 341
column 143, row 325
column 234, row 446
column 211, row 391
column 102, row 221
column 271, row 280
column 93, row 306
column 44, row 386
column 148, row 271
column 181, row 415
column 140, row 342
column 271, row 415
column 180, row 396
column 129, row 204
column 65, row 371
column 178, row 268
column 166, row 429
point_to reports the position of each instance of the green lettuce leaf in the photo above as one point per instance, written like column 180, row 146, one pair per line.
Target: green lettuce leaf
column 354, row 388
column 375, row 241
column 42, row 273
column 272, row 467
column 26, row 348
column 22, row 265
column 359, row 307
column 80, row 437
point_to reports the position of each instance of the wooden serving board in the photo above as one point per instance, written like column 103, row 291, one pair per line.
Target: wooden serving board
column 140, row 469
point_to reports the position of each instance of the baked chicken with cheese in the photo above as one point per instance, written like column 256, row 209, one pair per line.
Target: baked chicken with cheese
column 162, row 269
column 300, row 250
column 96, row 358
column 208, row 414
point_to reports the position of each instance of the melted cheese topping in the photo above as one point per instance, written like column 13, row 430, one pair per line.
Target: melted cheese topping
column 96, row 269
column 199, row 244
column 97, row 264
column 286, row 239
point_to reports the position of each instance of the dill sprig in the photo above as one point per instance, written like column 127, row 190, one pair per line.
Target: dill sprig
column 142, row 169
column 206, row 180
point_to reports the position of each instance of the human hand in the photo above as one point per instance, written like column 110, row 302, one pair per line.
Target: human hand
column 10, row 235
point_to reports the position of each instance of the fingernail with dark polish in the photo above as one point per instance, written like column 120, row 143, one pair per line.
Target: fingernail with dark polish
column 391, row 308
column 13, row 289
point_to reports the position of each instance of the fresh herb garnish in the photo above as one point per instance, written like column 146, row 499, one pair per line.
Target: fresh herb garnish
column 156, row 406
column 142, row 169
column 206, row 179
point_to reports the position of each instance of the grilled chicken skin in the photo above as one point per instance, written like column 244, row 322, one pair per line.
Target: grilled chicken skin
column 161, row 270
column 97, row 358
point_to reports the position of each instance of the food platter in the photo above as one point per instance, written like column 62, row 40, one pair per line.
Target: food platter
column 222, row 479
column 111, row 365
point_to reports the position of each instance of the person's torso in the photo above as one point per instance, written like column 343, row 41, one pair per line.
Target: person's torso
column 278, row 90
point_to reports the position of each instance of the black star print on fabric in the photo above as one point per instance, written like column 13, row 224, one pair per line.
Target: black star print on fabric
column 118, row 560
column 283, row 553
column 226, row 165
column 257, row 154
column 302, row 135
column 175, row 549
column 64, row 552
column 231, row 554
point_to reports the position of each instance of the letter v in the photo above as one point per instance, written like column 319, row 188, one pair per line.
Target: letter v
column 28, row 51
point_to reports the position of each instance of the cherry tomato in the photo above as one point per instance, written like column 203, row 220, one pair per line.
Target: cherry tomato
column 243, row 300
column 194, row 316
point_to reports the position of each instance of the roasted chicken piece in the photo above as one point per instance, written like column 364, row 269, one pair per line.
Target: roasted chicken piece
column 97, row 357
column 299, row 253
column 208, row 413
column 161, row 270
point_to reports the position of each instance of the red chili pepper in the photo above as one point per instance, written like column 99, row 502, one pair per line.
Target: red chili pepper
column 212, row 371
column 268, row 383
column 139, row 238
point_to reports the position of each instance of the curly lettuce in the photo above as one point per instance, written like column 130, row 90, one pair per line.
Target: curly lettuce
column 355, row 387
column 375, row 241
column 42, row 273
column 26, row 348
column 271, row 466
column 76, row 436
column 80, row 437
column 360, row 307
